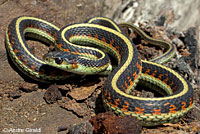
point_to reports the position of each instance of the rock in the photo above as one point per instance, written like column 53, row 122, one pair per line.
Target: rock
column 112, row 124
column 82, row 92
column 28, row 87
column 52, row 94
column 14, row 94
column 82, row 128
column 80, row 109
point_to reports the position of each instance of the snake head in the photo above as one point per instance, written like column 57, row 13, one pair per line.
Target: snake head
column 62, row 60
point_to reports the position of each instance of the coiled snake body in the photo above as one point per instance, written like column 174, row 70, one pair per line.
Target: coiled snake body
column 103, row 33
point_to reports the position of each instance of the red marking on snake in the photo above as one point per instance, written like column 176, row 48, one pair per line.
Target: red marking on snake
column 71, row 36
column 89, row 34
column 154, row 73
column 103, row 39
column 15, row 51
column 96, row 36
column 183, row 107
column 123, row 88
column 191, row 101
column 156, row 112
column 12, row 43
column 66, row 50
column 76, row 52
column 127, row 86
column 172, row 109
column 9, row 33
column 126, row 102
column 74, row 66
column 60, row 45
column 130, row 81
column 111, row 42
column 117, row 101
column 139, row 110
column 32, row 67
column 174, row 88
column 117, row 49
column 109, row 96
column 105, row 92
column 135, row 75
column 45, row 30
column 139, row 66
column 25, row 62
column 54, row 35
column 171, row 84
column 125, row 107
column 147, row 71
column 160, row 76
column 165, row 80
column 19, row 57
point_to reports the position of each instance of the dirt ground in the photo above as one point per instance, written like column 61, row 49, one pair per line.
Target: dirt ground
column 30, row 110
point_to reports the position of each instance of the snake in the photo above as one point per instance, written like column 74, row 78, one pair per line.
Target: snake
column 77, row 51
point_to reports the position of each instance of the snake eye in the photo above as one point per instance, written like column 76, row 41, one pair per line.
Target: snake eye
column 58, row 60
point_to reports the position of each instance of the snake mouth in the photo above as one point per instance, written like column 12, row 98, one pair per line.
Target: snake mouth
column 59, row 57
column 57, row 62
